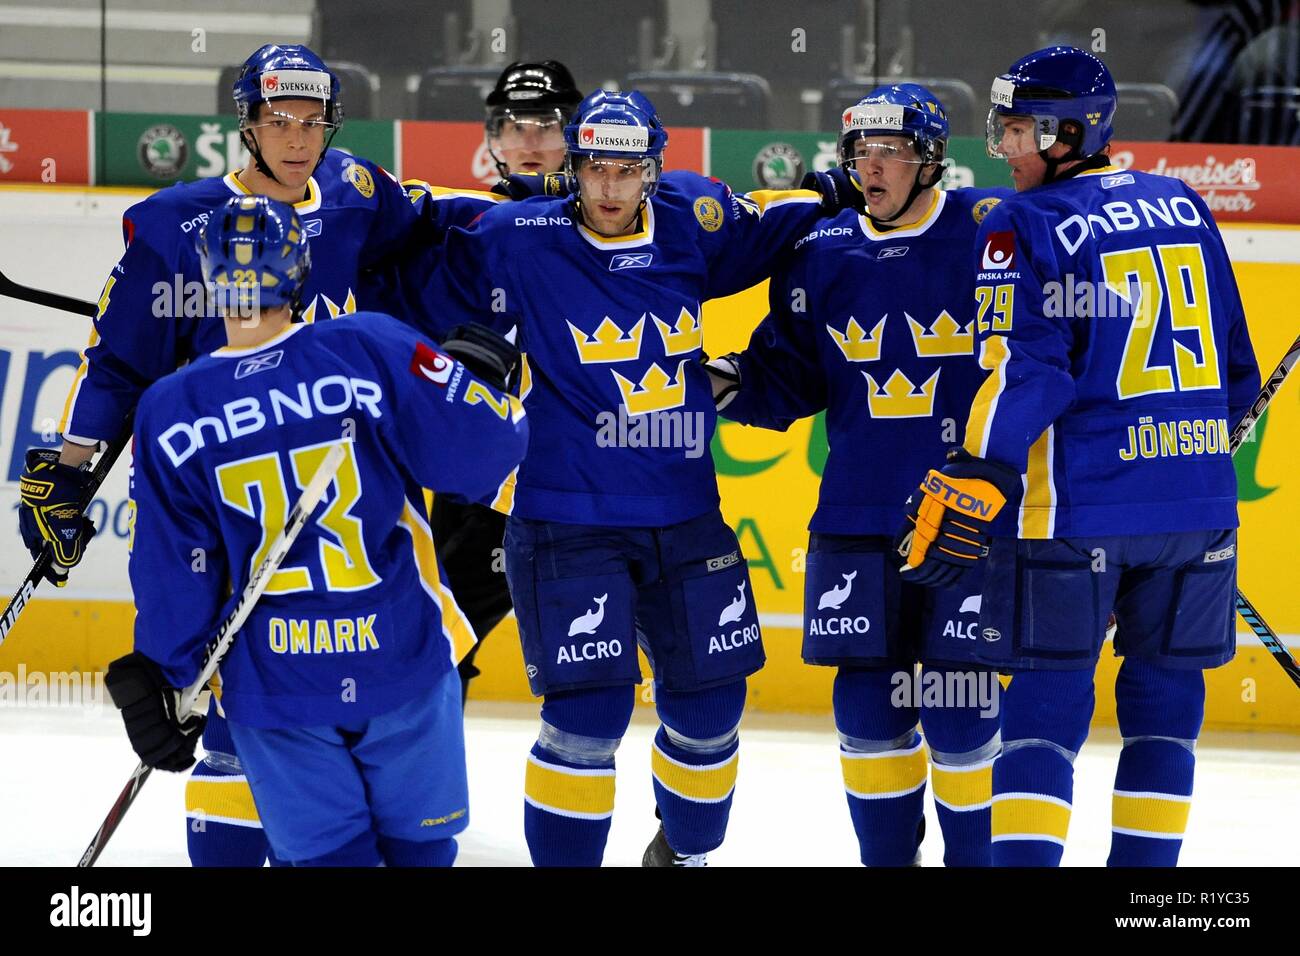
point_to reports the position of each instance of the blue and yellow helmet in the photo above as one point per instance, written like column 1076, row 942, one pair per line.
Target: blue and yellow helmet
column 901, row 109
column 286, row 71
column 1070, row 95
column 254, row 255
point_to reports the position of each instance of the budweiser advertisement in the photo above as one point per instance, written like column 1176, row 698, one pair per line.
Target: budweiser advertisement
column 1238, row 183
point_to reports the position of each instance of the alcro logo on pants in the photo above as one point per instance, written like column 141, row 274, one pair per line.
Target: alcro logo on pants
column 587, row 623
column 732, row 614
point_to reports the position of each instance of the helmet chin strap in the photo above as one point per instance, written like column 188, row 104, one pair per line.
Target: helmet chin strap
column 1095, row 161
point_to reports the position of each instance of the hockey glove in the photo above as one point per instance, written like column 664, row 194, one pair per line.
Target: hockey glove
column 520, row 186
column 149, row 709
column 948, row 518
column 490, row 356
column 724, row 376
column 839, row 188
column 52, row 494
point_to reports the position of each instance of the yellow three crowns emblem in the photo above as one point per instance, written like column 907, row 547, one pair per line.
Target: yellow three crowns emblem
column 855, row 343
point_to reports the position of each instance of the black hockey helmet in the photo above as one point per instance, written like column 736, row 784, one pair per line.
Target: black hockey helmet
column 533, row 87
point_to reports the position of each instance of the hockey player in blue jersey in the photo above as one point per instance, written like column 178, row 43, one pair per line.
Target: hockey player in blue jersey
column 1095, row 466
column 152, row 318
column 870, row 322
column 341, row 689
column 615, row 536
column 524, row 129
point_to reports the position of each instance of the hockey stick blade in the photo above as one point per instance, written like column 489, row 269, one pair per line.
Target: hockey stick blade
column 52, row 300
column 217, row 647
column 34, row 577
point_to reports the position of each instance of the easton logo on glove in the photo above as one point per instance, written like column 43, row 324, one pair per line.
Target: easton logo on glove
column 971, row 496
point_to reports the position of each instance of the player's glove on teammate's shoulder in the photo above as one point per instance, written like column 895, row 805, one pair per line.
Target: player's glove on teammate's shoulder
column 839, row 188
column 947, row 528
column 490, row 356
column 52, row 495
column 520, row 186
column 149, row 707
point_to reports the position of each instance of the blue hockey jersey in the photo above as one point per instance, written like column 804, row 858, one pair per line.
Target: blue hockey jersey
column 1119, row 360
column 620, row 408
column 358, row 619
column 153, row 315
column 877, row 328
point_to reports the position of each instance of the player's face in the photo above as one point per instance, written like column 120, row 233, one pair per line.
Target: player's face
column 529, row 144
column 887, row 168
column 291, row 135
column 1018, row 145
column 610, row 191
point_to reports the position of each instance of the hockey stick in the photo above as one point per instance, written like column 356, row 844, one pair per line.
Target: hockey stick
column 34, row 577
column 1267, row 636
column 52, row 300
column 218, row 646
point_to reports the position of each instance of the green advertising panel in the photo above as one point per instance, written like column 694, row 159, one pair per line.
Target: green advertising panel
column 757, row 159
column 158, row 149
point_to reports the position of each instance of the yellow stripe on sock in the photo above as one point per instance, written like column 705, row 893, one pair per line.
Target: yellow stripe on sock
column 587, row 794
column 708, row 783
column 888, row 774
column 1030, row 816
column 1160, row 815
column 963, row 788
column 225, row 797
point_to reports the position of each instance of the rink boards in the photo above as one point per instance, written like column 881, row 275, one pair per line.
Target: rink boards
column 66, row 239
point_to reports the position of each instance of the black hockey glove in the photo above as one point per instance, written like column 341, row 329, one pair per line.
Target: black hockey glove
column 149, row 708
column 50, row 512
column 519, row 186
column 490, row 356
column 839, row 188
column 946, row 532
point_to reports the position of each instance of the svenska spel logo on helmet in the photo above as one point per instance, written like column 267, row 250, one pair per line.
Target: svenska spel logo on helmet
column 618, row 139
column 873, row 116
column 312, row 84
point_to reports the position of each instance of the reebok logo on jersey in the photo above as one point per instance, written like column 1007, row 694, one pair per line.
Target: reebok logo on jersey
column 258, row 363
column 631, row 260
column 892, row 252
column 1000, row 250
column 312, row 227
column 1119, row 179
column 432, row 365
